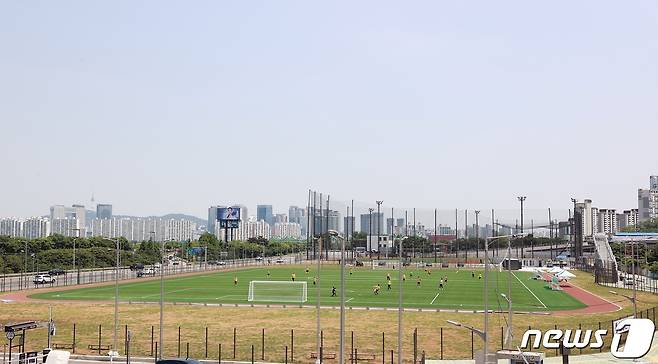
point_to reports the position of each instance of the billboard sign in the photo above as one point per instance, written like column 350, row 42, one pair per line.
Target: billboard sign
column 228, row 214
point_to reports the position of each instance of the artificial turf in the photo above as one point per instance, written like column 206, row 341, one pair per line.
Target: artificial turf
column 462, row 291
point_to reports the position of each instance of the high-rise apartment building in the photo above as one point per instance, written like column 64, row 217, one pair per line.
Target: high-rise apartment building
column 264, row 212
column 648, row 201
column 627, row 219
column 321, row 221
column 287, row 230
column 377, row 222
column 608, row 221
column 298, row 215
column 279, row 218
column 73, row 218
column 30, row 228
column 103, row 211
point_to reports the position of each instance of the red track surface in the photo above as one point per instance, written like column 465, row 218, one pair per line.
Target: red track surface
column 595, row 304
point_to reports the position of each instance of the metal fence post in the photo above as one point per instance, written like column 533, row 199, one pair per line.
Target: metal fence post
column 383, row 350
column 206, row 342
column 234, row 333
column 219, row 353
column 100, row 329
column 73, row 343
column 262, row 348
column 179, row 341
column 441, row 344
column 292, row 345
column 152, row 332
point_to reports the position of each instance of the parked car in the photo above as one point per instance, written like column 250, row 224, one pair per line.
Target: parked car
column 629, row 281
column 56, row 272
column 136, row 266
column 43, row 279
column 258, row 259
column 279, row 261
column 148, row 271
column 221, row 262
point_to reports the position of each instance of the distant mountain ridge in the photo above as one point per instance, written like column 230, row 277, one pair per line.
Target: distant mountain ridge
column 176, row 216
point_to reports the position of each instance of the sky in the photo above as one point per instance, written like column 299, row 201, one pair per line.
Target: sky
column 163, row 106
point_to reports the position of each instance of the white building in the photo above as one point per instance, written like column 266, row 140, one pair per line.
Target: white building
column 627, row 218
column 585, row 209
column 10, row 226
column 144, row 228
column 66, row 226
column 608, row 221
column 287, row 230
column 76, row 212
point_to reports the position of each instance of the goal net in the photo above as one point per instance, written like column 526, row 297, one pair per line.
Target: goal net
column 277, row 291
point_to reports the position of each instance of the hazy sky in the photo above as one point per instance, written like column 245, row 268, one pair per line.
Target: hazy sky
column 159, row 106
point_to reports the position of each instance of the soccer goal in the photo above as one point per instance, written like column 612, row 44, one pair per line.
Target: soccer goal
column 277, row 291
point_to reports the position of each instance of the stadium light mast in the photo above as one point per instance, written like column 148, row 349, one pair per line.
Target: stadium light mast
column 400, row 298
column 317, row 305
column 341, row 352
column 114, row 352
column 522, row 199
column 379, row 218
column 77, row 235
column 484, row 335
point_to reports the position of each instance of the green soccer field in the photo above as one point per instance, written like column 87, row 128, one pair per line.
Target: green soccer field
column 462, row 290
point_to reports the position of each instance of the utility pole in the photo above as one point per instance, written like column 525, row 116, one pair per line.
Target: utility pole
column 370, row 210
column 522, row 199
column 435, row 233
column 573, row 228
column 466, row 235
column 477, row 234
column 379, row 222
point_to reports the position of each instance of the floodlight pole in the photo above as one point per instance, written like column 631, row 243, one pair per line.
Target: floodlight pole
column 113, row 352
column 75, row 272
column 317, row 304
column 509, row 291
column 400, row 299
column 342, row 302
column 485, row 335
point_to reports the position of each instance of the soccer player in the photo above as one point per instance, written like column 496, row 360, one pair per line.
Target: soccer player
column 375, row 289
column 268, row 274
column 293, row 276
column 333, row 291
column 350, row 271
column 404, row 277
column 429, row 272
column 411, row 274
column 306, row 270
column 315, row 280
column 480, row 276
column 388, row 283
column 235, row 280
column 441, row 284
column 388, row 276
column 472, row 274
column 418, row 282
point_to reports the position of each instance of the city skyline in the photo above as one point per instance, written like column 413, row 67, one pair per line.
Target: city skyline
column 426, row 104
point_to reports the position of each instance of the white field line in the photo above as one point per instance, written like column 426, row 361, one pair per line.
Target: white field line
column 169, row 292
column 351, row 298
column 531, row 292
column 437, row 295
